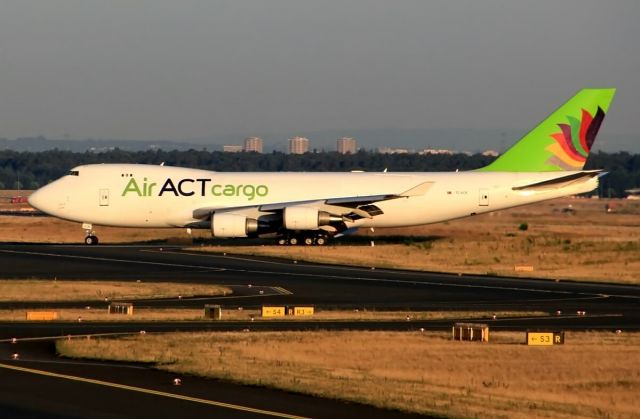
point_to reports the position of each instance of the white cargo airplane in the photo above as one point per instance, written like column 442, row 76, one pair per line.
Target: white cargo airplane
column 311, row 207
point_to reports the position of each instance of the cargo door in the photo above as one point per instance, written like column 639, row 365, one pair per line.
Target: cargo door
column 104, row 197
column 484, row 197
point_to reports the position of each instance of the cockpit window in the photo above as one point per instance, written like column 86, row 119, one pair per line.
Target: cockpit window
column 74, row 173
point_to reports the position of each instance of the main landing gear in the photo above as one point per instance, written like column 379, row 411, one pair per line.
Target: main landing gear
column 90, row 236
column 307, row 240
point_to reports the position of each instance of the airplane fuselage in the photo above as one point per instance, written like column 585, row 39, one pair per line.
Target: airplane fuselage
column 132, row 195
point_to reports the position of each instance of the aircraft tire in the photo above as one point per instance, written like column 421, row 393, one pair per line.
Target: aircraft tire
column 91, row 240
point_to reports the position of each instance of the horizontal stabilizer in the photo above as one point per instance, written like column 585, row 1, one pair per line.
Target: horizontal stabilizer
column 561, row 182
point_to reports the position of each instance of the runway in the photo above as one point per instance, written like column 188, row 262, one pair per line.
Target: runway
column 607, row 307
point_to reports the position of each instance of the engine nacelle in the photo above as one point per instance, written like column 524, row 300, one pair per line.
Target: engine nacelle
column 232, row 225
column 305, row 218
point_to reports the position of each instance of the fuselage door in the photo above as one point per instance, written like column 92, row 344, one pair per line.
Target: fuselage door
column 104, row 197
column 484, row 197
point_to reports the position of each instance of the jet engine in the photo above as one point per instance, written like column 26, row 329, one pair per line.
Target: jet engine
column 306, row 218
column 232, row 225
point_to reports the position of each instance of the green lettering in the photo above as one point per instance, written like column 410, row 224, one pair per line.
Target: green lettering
column 262, row 190
column 146, row 188
column 249, row 191
column 150, row 189
column 132, row 186
column 229, row 190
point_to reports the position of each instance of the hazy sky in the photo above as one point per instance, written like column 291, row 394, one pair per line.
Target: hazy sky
column 188, row 69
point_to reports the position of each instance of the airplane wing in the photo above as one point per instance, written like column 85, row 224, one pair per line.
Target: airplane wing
column 349, row 208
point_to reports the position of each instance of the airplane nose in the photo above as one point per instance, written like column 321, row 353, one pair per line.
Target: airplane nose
column 36, row 200
column 44, row 200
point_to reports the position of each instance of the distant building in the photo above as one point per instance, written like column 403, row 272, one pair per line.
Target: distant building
column 232, row 148
column 436, row 151
column 490, row 153
column 389, row 150
column 253, row 144
column 298, row 145
column 346, row 145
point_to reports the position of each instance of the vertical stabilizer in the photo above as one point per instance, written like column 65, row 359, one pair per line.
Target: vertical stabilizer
column 563, row 140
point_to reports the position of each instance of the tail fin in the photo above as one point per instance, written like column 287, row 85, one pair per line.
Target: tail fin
column 563, row 140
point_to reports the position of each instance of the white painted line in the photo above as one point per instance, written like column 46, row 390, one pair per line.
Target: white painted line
column 216, row 255
column 149, row 391
column 85, row 363
column 104, row 259
column 84, row 335
column 506, row 319
column 282, row 291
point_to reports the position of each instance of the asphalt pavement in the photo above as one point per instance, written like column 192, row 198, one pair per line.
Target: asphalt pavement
column 40, row 384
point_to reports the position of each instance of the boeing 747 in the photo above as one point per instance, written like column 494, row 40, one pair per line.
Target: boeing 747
column 309, row 208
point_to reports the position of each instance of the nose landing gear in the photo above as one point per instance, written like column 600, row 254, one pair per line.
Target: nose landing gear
column 90, row 236
column 91, row 240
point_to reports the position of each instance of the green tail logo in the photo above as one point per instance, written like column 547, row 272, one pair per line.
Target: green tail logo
column 563, row 140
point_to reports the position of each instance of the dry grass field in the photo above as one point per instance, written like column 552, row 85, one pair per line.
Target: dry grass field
column 93, row 314
column 56, row 290
column 592, row 375
column 362, row 315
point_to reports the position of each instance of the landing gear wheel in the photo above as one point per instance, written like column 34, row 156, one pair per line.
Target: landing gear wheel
column 91, row 240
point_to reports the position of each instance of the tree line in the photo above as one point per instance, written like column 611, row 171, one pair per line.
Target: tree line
column 30, row 170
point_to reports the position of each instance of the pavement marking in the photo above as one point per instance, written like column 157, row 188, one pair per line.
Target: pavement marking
column 82, row 364
column 152, row 392
column 84, row 335
column 215, row 255
column 282, row 291
column 563, row 317
column 140, row 262
column 277, row 291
